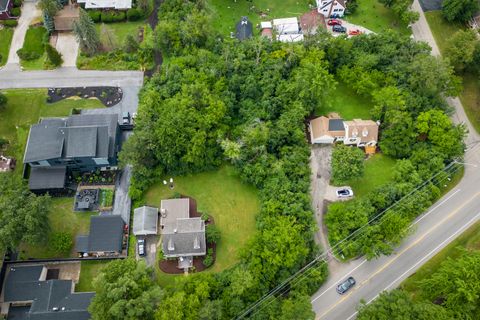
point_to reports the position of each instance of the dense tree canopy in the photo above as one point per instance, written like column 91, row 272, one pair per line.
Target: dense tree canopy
column 347, row 163
column 125, row 290
column 23, row 215
column 459, row 10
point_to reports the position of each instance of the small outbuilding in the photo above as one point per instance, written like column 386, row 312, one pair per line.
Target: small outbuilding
column 244, row 29
column 145, row 221
column 106, row 236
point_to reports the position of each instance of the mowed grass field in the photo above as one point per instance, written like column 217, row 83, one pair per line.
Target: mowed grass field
column 220, row 193
column 6, row 35
column 88, row 271
column 24, row 108
column 34, row 43
column 470, row 240
column 347, row 103
column 226, row 13
column 374, row 16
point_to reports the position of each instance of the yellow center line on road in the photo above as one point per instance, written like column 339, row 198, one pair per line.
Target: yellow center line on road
column 413, row 244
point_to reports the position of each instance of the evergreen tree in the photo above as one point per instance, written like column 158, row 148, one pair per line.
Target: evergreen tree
column 86, row 34
column 54, row 57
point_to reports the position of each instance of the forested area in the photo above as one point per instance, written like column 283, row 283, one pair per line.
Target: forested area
column 449, row 293
column 219, row 100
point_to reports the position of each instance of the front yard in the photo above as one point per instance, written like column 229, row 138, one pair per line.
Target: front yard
column 378, row 171
column 221, row 194
column 373, row 15
column 62, row 220
column 34, row 46
column 6, row 35
column 24, row 108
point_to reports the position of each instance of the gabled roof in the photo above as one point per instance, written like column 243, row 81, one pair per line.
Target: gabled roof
column 145, row 220
column 366, row 130
column 4, row 5
column 171, row 210
column 335, row 125
column 106, row 235
column 44, row 140
column 323, row 126
column 244, row 29
column 47, row 178
column 286, row 25
column 80, row 141
column 187, row 239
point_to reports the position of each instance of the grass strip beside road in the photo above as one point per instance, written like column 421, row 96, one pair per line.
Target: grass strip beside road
column 6, row 35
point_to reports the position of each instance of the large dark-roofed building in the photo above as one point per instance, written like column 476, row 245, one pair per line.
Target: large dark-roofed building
column 106, row 235
column 30, row 296
column 47, row 178
column 77, row 143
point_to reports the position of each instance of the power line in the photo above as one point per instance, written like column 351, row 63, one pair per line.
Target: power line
column 301, row 274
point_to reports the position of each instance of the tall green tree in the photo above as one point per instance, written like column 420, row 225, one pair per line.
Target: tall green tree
column 461, row 49
column 86, row 34
column 459, row 10
column 23, row 215
column 347, row 163
column 125, row 290
column 49, row 7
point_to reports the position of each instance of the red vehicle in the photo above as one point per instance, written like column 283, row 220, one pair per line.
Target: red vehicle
column 334, row 22
column 355, row 32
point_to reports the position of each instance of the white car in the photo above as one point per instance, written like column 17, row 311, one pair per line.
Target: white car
column 344, row 192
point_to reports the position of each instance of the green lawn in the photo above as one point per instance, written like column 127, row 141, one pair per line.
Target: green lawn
column 88, row 271
column 373, row 15
column 441, row 29
column 24, row 108
column 378, row 171
column 469, row 239
column 62, row 219
column 347, row 103
column 6, row 35
column 221, row 194
column 112, row 36
column 34, row 43
column 226, row 13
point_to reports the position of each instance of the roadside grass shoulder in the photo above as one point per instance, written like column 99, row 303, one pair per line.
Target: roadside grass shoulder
column 347, row 103
column 6, row 35
column 374, row 16
column 469, row 239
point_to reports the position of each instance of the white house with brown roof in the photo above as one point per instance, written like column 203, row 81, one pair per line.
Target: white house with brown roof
column 329, row 7
column 357, row 132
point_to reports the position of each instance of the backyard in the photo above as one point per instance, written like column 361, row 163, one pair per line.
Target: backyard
column 347, row 103
column 470, row 96
column 62, row 220
column 34, row 45
column 373, row 15
column 221, row 194
column 470, row 239
column 227, row 13
column 88, row 271
column 6, row 35
column 24, row 108
column 378, row 171
column 113, row 57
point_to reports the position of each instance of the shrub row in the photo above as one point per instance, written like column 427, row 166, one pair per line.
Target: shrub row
column 115, row 16
column 9, row 23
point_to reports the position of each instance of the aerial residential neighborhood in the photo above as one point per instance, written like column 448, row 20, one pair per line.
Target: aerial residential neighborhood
column 187, row 159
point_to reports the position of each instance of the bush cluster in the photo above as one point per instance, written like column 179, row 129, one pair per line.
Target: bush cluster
column 9, row 23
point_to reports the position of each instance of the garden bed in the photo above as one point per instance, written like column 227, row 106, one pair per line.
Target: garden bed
column 109, row 96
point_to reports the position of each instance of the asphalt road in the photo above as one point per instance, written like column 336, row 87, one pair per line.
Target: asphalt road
column 431, row 232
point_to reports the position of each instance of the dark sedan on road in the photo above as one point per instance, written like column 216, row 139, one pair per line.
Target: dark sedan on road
column 346, row 285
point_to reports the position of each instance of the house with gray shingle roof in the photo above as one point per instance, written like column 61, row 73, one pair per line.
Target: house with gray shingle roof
column 77, row 143
column 105, row 237
column 183, row 237
column 145, row 221
column 5, row 7
column 28, row 295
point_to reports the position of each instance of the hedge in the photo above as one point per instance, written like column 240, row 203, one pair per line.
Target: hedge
column 95, row 15
column 9, row 23
column 112, row 16
column 134, row 14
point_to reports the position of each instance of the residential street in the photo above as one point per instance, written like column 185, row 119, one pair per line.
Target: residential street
column 446, row 219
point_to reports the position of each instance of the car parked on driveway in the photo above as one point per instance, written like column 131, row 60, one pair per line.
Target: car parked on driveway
column 141, row 247
column 346, row 285
column 334, row 22
column 339, row 29
column 334, row 16
column 354, row 32
column 344, row 192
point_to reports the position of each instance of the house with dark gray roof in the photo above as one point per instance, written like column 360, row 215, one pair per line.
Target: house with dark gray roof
column 28, row 295
column 244, row 29
column 183, row 237
column 77, row 143
column 5, row 7
column 105, row 237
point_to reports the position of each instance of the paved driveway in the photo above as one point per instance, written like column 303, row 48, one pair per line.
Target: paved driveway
column 29, row 13
column 67, row 45
column 122, row 203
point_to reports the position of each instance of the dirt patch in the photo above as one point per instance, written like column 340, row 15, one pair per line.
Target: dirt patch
column 109, row 96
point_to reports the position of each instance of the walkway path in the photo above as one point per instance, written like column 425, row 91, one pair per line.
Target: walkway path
column 29, row 13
